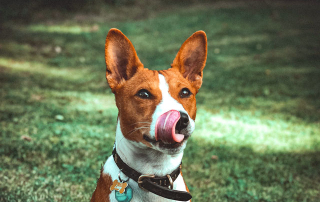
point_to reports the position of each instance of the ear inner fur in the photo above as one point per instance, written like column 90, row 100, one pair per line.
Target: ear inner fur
column 121, row 59
column 191, row 58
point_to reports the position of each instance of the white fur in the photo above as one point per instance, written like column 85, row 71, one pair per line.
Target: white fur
column 167, row 103
column 148, row 160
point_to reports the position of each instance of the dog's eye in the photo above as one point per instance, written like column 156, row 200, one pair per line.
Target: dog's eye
column 185, row 93
column 144, row 94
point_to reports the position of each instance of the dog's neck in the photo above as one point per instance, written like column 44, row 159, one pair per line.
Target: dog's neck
column 144, row 159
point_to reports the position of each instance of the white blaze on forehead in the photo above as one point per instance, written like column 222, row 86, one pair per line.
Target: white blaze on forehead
column 166, row 104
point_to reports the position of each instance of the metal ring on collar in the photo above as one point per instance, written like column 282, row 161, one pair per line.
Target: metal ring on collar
column 170, row 181
column 121, row 179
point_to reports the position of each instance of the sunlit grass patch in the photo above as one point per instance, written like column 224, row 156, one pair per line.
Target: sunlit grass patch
column 234, row 40
column 72, row 29
column 40, row 68
column 261, row 134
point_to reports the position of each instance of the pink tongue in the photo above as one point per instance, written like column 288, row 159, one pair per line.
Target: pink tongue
column 165, row 127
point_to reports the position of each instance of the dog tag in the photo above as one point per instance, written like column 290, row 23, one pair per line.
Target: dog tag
column 126, row 196
column 118, row 186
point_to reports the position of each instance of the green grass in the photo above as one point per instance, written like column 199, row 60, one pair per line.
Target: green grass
column 257, row 134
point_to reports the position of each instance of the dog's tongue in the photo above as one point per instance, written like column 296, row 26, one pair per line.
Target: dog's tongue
column 165, row 127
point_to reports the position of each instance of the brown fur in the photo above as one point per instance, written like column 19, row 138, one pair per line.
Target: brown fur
column 191, row 58
column 123, row 65
column 121, row 59
column 132, row 109
column 102, row 192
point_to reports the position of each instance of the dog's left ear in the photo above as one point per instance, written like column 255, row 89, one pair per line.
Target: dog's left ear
column 191, row 58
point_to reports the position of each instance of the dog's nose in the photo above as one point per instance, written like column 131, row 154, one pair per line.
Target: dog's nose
column 183, row 121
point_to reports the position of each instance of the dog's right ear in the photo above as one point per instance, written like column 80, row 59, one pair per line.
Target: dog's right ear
column 121, row 59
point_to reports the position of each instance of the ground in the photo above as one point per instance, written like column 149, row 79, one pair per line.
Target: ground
column 257, row 134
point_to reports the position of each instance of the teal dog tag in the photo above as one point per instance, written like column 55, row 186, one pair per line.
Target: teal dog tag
column 126, row 196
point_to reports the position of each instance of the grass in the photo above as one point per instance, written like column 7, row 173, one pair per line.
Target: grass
column 257, row 132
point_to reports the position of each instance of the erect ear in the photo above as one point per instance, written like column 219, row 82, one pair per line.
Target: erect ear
column 121, row 58
column 191, row 58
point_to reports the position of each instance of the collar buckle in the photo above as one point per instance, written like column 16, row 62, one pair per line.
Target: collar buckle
column 141, row 178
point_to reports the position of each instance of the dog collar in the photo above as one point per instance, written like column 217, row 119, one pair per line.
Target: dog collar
column 161, row 186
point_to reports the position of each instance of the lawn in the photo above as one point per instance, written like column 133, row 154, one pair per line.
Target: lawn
column 257, row 134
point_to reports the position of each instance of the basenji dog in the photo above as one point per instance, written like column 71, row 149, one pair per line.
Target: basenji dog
column 156, row 116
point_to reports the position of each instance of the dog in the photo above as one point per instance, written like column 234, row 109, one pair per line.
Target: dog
column 157, row 111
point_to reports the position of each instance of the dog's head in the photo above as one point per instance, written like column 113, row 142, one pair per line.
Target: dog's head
column 157, row 109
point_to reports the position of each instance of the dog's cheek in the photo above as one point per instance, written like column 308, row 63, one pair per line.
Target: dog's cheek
column 136, row 113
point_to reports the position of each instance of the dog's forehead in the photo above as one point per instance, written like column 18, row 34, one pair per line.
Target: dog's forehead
column 149, row 79
column 145, row 79
column 176, row 81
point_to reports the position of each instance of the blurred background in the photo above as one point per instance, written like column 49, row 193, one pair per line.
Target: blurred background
column 257, row 134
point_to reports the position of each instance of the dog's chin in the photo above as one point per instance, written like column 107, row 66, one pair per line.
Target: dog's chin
column 172, row 148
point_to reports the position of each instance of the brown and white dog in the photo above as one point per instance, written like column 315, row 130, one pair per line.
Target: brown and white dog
column 157, row 111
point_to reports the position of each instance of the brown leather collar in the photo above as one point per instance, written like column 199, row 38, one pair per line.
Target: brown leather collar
column 161, row 186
